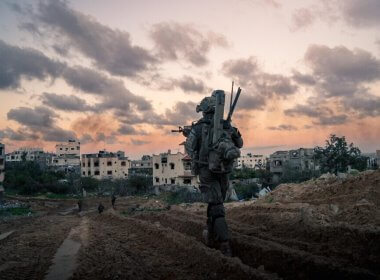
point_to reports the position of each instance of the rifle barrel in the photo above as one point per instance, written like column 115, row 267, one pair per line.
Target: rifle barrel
column 234, row 104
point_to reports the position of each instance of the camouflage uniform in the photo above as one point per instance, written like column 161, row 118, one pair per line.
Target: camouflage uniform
column 213, row 186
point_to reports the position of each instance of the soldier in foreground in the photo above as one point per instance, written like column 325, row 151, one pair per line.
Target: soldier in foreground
column 213, row 144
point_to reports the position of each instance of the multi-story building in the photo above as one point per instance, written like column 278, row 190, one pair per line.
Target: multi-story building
column 2, row 169
column 30, row 154
column 105, row 165
column 301, row 160
column 251, row 161
column 67, row 156
column 173, row 169
column 143, row 166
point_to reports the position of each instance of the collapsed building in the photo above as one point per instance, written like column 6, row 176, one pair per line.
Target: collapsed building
column 173, row 169
column 105, row 165
column 301, row 160
column 142, row 167
column 251, row 161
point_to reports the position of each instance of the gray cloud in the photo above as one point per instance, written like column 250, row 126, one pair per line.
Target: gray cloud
column 241, row 70
column 19, row 135
column 356, row 13
column 303, row 79
column 258, row 86
column 65, row 102
column 286, row 127
column 41, row 121
column 175, row 41
column 362, row 13
column 189, row 84
column 37, row 117
column 17, row 63
column 366, row 105
column 251, row 102
column 110, row 49
column 322, row 115
column 113, row 91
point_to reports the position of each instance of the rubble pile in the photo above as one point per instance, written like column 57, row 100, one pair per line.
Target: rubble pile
column 354, row 199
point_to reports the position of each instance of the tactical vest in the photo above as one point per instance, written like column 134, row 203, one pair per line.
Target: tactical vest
column 221, row 155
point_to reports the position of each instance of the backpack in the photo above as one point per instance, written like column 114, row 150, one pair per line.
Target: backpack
column 222, row 154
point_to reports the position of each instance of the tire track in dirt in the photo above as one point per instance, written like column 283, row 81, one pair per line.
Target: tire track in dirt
column 28, row 252
column 129, row 248
column 288, row 262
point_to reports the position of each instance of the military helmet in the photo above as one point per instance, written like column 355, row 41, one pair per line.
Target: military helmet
column 207, row 105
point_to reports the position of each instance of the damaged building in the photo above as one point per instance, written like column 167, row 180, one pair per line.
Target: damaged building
column 142, row 167
column 251, row 161
column 173, row 169
column 301, row 160
column 105, row 165
column 67, row 156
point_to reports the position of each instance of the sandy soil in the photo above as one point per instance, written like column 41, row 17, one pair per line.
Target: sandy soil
column 321, row 229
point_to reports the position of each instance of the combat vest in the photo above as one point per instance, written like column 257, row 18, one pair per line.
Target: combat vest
column 220, row 156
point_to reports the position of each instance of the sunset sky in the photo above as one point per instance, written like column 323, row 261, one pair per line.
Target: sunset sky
column 121, row 74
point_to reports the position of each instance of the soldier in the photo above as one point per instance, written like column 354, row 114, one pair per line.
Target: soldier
column 212, row 161
column 80, row 205
column 113, row 200
column 100, row 208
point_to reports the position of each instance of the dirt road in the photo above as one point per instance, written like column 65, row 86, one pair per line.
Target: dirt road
column 271, row 239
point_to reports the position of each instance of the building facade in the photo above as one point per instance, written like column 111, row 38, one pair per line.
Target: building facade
column 67, row 156
column 251, row 161
column 301, row 160
column 143, row 166
column 30, row 154
column 173, row 169
column 105, row 165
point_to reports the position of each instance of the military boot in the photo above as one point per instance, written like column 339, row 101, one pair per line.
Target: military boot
column 225, row 248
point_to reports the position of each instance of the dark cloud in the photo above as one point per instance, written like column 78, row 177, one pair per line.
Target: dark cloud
column 175, row 41
column 17, row 63
column 286, row 127
column 112, row 91
column 251, row 102
column 110, row 49
column 37, row 117
column 361, row 13
column 258, row 86
column 19, row 135
column 241, row 70
column 65, row 102
column 189, row 84
column 56, row 134
column 182, row 113
column 366, row 105
column 303, row 79
column 322, row 115
column 342, row 64
column 41, row 121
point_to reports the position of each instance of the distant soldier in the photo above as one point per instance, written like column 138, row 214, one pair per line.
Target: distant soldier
column 80, row 205
column 213, row 144
column 100, row 208
column 113, row 200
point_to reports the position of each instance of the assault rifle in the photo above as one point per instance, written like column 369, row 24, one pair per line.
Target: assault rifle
column 185, row 130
